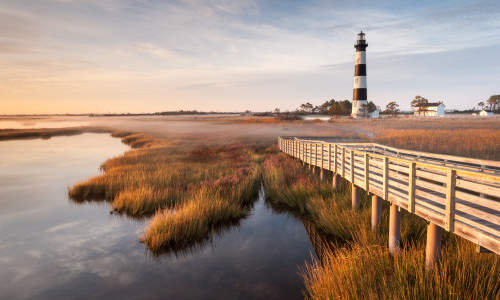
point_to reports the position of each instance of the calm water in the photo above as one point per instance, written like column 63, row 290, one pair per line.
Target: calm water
column 42, row 123
column 51, row 248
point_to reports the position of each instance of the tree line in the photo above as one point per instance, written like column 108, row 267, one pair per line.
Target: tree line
column 419, row 103
column 344, row 107
column 332, row 107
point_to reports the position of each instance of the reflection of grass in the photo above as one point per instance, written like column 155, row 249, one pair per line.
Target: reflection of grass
column 358, row 264
column 191, row 190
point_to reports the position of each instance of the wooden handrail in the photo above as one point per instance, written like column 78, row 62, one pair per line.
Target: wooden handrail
column 455, row 193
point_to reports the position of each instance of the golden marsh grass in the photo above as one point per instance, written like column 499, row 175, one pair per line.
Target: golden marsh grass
column 196, row 184
column 191, row 191
column 356, row 264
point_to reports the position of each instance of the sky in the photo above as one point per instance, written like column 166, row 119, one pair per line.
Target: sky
column 114, row 56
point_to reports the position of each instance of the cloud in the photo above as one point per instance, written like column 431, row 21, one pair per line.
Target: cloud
column 154, row 50
column 165, row 48
column 18, row 33
column 63, row 226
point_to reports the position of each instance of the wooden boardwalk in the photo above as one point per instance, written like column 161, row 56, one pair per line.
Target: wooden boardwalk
column 457, row 194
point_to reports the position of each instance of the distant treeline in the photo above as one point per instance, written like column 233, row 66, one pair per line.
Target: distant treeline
column 162, row 113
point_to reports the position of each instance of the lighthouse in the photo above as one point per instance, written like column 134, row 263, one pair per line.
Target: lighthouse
column 360, row 92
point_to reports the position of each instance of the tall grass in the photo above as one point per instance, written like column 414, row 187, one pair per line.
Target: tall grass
column 292, row 186
column 192, row 191
column 46, row 133
column 370, row 272
column 477, row 143
column 356, row 264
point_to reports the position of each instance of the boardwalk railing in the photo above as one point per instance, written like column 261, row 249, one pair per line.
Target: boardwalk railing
column 460, row 195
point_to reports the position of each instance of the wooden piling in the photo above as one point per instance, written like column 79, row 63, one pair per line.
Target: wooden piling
column 355, row 196
column 394, row 228
column 335, row 181
column 433, row 246
column 376, row 211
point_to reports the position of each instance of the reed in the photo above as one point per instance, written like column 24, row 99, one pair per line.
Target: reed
column 477, row 143
column 192, row 191
column 355, row 262
column 290, row 185
column 370, row 272
column 46, row 133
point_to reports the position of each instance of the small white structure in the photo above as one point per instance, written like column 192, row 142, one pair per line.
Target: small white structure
column 485, row 113
column 316, row 117
column 374, row 114
column 430, row 110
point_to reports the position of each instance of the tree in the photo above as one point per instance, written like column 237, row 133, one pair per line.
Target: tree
column 392, row 108
column 306, row 108
column 325, row 107
column 340, row 108
column 277, row 111
column 494, row 101
column 481, row 104
column 371, row 107
column 419, row 102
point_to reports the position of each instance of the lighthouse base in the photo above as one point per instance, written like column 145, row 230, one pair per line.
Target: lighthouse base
column 359, row 110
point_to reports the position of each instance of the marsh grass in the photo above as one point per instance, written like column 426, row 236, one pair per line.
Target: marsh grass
column 370, row 272
column 195, row 190
column 478, row 143
column 192, row 190
column 355, row 262
column 46, row 133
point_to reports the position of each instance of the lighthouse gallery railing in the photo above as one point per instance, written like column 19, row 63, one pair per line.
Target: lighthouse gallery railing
column 461, row 195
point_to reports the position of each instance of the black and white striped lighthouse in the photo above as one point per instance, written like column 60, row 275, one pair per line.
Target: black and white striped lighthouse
column 360, row 91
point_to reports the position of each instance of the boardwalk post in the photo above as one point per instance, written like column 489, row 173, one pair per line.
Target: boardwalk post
column 433, row 246
column 376, row 211
column 321, row 171
column 315, row 157
column 295, row 144
column 309, row 153
column 394, row 228
column 301, row 152
column 329, row 157
column 451, row 179
column 385, row 176
column 335, row 177
column 355, row 196
column 366, row 173
column 343, row 162
column 352, row 166
column 411, row 188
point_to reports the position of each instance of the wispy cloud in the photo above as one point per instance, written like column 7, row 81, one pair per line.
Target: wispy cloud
column 189, row 43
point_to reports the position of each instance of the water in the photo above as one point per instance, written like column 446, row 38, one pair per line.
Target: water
column 39, row 123
column 52, row 248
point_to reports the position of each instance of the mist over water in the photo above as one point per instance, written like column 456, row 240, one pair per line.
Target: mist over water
column 52, row 248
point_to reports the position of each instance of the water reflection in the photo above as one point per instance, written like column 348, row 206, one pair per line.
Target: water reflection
column 39, row 123
column 51, row 248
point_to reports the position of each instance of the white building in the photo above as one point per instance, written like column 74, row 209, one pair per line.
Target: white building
column 374, row 114
column 430, row 110
column 485, row 113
